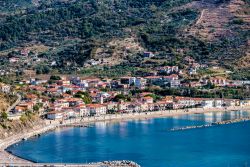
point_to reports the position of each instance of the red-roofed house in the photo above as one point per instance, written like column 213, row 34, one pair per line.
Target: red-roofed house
column 96, row 109
column 147, row 99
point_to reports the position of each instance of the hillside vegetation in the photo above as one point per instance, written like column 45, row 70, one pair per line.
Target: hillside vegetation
column 214, row 31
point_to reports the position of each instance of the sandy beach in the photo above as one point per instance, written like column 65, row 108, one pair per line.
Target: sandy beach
column 7, row 158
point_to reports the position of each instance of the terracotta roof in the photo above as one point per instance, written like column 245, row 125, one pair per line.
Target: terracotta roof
column 94, row 105
column 52, row 90
column 31, row 96
column 66, row 95
column 147, row 97
column 20, row 108
column 72, row 99
column 26, row 104
column 153, row 77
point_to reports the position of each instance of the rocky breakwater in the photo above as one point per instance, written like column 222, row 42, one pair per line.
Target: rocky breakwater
column 212, row 124
column 123, row 163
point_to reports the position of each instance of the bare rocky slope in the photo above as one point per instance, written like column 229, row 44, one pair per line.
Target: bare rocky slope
column 229, row 20
column 15, row 127
column 5, row 102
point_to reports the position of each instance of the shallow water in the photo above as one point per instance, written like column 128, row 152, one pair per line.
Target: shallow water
column 147, row 142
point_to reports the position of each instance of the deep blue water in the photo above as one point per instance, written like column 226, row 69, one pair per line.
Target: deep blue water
column 147, row 142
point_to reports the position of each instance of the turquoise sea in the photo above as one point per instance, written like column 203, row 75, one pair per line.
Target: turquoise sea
column 147, row 142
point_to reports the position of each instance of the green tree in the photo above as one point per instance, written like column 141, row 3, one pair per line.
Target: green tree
column 36, row 107
column 119, row 97
column 4, row 116
column 54, row 77
column 68, row 92
column 84, row 96
column 52, row 99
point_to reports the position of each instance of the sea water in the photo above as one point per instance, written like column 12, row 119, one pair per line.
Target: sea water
column 148, row 142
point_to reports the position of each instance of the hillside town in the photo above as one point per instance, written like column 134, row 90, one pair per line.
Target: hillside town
column 124, row 83
column 71, row 96
column 62, row 97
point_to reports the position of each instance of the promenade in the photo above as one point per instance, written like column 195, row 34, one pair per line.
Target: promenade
column 6, row 158
column 146, row 115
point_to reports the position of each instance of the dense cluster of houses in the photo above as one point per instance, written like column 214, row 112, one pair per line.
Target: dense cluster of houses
column 167, row 76
column 164, row 76
column 58, row 98
column 24, row 56
column 66, row 104
column 216, row 81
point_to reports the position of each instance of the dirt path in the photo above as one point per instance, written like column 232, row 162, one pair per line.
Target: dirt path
column 19, row 98
column 213, row 21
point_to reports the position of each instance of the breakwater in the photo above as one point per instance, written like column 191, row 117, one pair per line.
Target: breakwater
column 212, row 124
column 122, row 163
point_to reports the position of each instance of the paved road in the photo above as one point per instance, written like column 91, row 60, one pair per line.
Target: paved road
column 19, row 98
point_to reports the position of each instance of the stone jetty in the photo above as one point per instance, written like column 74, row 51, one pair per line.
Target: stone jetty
column 123, row 163
column 212, row 124
column 120, row 163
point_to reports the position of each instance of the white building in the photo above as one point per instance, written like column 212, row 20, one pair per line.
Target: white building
column 96, row 109
column 218, row 103
column 168, row 69
column 140, row 82
column 128, row 80
column 5, row 88
column 13, row 60
column 245, row 102
column 212, row 103
column 55, row 115
column 148, row 54
column 175, row 83
column 81, row 111
column 62, row 103
column 147, row 99
column 208, row 103
column 192, row 71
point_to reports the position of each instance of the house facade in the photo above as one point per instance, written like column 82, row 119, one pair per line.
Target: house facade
column 55, row 115
column 96, row 109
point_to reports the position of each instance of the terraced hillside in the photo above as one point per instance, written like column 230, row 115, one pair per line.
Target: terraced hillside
column 220, row 21
column 212, row 22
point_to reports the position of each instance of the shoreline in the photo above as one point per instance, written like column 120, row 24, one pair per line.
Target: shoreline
column 8, row 158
